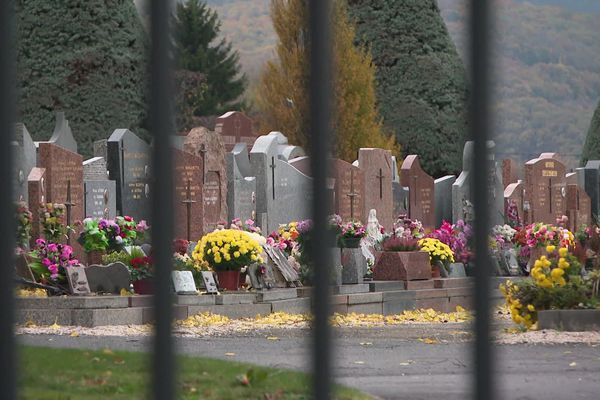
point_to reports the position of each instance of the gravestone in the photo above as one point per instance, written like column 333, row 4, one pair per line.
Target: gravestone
column 64, row 172
column 591, row 178
column 421, row 201
column 128, row 163
column 62, row 135
column 94, row 169
column 579, row 207
column 188, row 200
column 209, row 148
column 514, row 198
column 349, row 190
column 399, row 192
column 510, row 172
column 241, row 185
column 77, row 279
column 183, row 282
column 462, row 203
column 377, row 167
column 280, row 273
column 443, row 199
column 36, row 186
column 283, row 193
column 111, row 278
column 25, row 159
column 545, row 189
column 100, row 199
column 235, row 127
column 100, row 148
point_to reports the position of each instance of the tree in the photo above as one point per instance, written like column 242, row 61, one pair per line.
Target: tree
column 421, row 85
column 86, row 58
column 282, row 94
column 591, row 149
column 198, row 48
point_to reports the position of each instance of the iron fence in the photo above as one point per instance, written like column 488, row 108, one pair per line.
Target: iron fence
column 321, row 96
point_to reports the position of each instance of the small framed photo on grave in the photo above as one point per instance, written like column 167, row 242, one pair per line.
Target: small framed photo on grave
column 78, row 283
column 209, row 282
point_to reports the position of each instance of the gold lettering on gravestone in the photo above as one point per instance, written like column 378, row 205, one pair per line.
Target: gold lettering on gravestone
column 549, row 164
column 549, row 173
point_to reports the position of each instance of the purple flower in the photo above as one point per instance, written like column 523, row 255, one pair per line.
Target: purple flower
column 142, row 226
column 52, row 247
column 40, row 243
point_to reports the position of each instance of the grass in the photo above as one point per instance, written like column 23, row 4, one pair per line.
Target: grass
column 61, row 374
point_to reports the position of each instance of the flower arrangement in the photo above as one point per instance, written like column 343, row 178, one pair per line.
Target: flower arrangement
column 353, row 230
column 101, row 234
column 512, row 214
column 285, row 238
column 438, row 251
column 457, row 237
column 408, row 228
column 50, row 260
column 23, row 217
column 503, row 236
column 180, row 246
column 542, row 235
column 183, row 262
column 556, row 283
column 248, row 225
column 52, row 221
column 227, row 250
column 140, row 265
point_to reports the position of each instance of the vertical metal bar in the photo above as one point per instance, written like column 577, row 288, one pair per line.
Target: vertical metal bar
column 320, row 128
column 480, row 127
column 161, row 125
column 7, row 220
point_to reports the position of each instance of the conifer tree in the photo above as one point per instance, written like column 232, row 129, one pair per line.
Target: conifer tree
column 421, row 85
column 86, row 58
column 591, row 149
column 282, row 94
column 199, row 50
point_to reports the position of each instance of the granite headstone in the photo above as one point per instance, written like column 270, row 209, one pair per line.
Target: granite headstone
column 188, row 200
column 377, row 167
column 241, row 185
column 421, row 203
column 443, row 199
column 545, row 188
column 235, row 127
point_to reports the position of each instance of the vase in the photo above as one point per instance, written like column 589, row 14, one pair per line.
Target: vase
column 143, row 286
column 351, row 243
column 229, row 280
column 442, row 271
column 94, row 257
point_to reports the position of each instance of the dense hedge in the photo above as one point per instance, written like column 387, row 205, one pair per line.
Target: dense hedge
column 591, row 149
column 87, row 58
column 421, row 84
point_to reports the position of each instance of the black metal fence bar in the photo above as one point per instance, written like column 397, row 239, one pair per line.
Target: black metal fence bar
column 320, row 129
column 7, row 220
column 161, row 123
column 479, row 124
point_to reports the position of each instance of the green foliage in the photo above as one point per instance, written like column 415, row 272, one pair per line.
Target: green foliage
column 118, row 256
column 421, row 87
column 591, row 149
column 86, row 58
column 197, row 28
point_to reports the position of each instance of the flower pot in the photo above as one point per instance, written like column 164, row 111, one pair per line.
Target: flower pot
column 351, row 243
column 435, row 271
column 229, row 280
column 144, row 286
column 402, row 266
column 94, row 257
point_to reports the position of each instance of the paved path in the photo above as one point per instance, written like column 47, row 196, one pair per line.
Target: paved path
column 392, row 363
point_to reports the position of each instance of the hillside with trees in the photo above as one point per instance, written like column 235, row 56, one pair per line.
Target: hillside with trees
column 547, row 59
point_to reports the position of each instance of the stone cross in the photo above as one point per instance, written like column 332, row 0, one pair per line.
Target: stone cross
column 188, row 201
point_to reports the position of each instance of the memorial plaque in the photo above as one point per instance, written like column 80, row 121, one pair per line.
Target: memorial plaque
column 187, row 182
column 128, row 163
column 545, row 188
column 78, row 282
column 421, row 203
column 63, row 168
column 235, row 127
column 209, row 282
column 110, row 278
column 100, row 199
column 377, row 167
column 183, row 282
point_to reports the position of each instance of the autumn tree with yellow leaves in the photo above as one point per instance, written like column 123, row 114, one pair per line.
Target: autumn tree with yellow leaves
column 282, row 93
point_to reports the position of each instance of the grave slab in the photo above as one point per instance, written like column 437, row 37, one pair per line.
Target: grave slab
column 102, row 317
column 276, row 294
column 291, row 306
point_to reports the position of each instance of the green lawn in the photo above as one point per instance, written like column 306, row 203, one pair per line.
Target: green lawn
column 58, row 374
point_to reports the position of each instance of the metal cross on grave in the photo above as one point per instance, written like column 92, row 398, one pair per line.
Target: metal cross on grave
column 380, row 177
column 352, row 195
column 272, row 166
column 69, row 205
column 203, row 152
column 188, row 201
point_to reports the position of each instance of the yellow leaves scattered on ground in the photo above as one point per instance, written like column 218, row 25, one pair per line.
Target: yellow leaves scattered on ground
column 31, row 292
column 204, row 319
column 281, row 319
column 429, row 340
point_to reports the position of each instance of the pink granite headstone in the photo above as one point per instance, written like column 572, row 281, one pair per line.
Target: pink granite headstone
column 421, row 204
column 235, row 127
column 545, row 189
column 188, row 201
column 376, row 164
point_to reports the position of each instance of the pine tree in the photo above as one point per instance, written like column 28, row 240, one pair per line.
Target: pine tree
column 86, row 58
column 591, row 149
column 197, row 28
column 282, row 96
column 421, row 84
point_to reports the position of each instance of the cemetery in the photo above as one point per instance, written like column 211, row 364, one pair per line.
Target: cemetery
column 400, row 239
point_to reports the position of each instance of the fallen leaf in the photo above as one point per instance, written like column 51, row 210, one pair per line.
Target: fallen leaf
column 429, row 341
column 272, row 338
column 74, row 334
column 366, row 344
column 108, row 351
column 125, row 292
column 573, row 364
column 230, row 354
column 359, row 362
column 55, row 325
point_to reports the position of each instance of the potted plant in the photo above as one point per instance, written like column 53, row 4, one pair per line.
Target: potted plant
column 52, row 222
column 401, row 259
column 48, row 262
column 351, row 234
column 227, row 251
column 440, row 256
column 142, row 271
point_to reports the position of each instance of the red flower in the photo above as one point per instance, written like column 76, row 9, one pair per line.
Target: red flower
column 128, row 218
column 123, row 235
